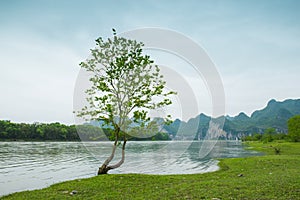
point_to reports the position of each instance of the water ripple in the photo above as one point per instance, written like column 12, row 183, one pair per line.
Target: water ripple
column 32, row 165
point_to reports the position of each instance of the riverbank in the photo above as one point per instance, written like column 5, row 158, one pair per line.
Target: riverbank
column 270, row 176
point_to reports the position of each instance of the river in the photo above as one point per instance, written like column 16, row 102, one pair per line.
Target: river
column 34, row 165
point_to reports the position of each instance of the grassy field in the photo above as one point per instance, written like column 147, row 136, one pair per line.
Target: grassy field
column 265, row 177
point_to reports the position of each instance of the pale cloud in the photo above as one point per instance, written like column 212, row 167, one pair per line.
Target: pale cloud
column 37, row 79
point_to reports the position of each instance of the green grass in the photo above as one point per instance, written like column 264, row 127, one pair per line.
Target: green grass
column 265, row 177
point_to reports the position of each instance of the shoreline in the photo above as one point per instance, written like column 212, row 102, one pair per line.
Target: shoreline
column 230, row 170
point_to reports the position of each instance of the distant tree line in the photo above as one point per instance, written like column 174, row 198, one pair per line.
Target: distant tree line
column 60, row 132
column 271, row 134
column 37, row 131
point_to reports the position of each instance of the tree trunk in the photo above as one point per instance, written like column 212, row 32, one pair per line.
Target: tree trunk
column 105, row 166
column 122, row 159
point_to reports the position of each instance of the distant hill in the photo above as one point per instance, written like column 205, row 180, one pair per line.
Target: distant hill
column 275, row 115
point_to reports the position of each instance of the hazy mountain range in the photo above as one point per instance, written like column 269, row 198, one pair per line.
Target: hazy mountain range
column 274, row 115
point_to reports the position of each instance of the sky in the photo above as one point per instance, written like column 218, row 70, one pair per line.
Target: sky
column 254, row 45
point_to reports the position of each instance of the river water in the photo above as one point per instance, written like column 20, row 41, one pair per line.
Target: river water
column 33, row 165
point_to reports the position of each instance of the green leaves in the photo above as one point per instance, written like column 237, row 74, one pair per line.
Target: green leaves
column 125, row 83
column 294, row 128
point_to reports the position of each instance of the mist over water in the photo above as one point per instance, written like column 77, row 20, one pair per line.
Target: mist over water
column 33, row 165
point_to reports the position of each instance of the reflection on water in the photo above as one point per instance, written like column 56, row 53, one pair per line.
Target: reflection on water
column 31, row 165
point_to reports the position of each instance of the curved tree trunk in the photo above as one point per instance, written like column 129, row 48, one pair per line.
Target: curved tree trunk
column 105, row 166
column 122, row 159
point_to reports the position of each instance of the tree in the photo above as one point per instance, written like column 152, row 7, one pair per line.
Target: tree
column 268, row 135
column 257, row 136
column 294, row 128
column 125, row 86
column 270, row 131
